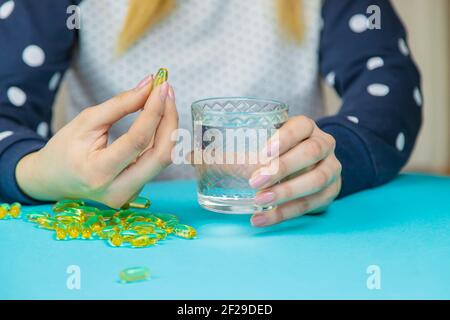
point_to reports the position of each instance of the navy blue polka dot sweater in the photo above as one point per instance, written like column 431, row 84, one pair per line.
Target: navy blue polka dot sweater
column 372, row 71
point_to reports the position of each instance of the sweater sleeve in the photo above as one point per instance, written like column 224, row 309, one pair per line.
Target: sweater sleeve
column 368, row 62
column 35, row 49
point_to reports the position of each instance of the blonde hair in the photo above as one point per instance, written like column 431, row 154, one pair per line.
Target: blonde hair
column 144, row 14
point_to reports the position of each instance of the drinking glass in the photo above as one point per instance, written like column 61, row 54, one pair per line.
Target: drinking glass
column 229, row 139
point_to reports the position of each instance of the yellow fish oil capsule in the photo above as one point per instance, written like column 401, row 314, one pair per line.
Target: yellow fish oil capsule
column 160, row 233
column 116, row 240
column 144, row 241
column 34, row 216
column 64, row 204
column 161, row 76
column 128, row 235
column 74, row 230
column 4, row 209
column 86, row 232
column 134, row 274
column 47, row 223
column 138, row 203
column 61, row 231
column 96, row 223
column 108, row 232
column 184, row 231
column 15, row 210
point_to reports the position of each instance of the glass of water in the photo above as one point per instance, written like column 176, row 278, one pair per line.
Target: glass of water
column 229, row 139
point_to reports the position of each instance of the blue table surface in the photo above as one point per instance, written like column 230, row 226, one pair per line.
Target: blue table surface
column 403, row 228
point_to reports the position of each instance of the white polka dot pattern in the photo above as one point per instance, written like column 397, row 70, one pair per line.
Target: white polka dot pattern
column 43, row 129
column 16, row 96
column 6, row 9
column 400, row 142
column 418, row 97
column 54, row 81
column 5, row 134
column 403, row 47
column 353, row 119
column 33, row 56
column 375, row 63
column 359, row 23
column 378, row 90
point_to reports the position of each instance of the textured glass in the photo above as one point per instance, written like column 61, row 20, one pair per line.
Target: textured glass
column 242, row 126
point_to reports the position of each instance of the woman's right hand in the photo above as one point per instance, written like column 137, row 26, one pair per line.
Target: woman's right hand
column 78, row 162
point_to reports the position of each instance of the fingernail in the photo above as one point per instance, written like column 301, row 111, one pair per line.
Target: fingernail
column 259, row 220
column 265, row 198
column 258, row 181
column 164, row 91
column 144, row 82
column 171, row 93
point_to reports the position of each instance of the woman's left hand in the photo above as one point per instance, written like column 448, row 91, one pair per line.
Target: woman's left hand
column 305, row 163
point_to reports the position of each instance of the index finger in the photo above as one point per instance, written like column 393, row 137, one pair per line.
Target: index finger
column 125, row 150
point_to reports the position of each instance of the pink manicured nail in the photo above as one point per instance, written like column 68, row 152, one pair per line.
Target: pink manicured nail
column 265, row 198
column 171, row 93
column 164, row 91
column 259, row 220
column 258, row 181
column 144, row 82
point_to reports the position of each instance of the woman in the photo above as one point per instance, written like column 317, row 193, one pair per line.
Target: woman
column 276, row 49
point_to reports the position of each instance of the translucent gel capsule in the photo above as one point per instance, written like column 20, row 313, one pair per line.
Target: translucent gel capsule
column 160, row 233
column 134, row 274
column 15, row 210
column 184, row 231
column 74, row 230
column 47, row 223
column 161, row 76
column 64, row 204
column 96, row 223
column 4, row 209
column 116, row 240
column 34, row 216
column 128, row 235
column 61, row 231
column 86, row 232
column 108, row 232
column 144, row 241
column 140, row 203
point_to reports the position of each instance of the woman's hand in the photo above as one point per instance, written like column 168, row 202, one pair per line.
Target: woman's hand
column 78, row 162
column 305, row 163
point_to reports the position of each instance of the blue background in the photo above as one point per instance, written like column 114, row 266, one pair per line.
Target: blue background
column 403, row 227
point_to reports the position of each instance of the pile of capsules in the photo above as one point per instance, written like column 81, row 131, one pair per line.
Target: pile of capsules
column 12, row 210
column 130, row 226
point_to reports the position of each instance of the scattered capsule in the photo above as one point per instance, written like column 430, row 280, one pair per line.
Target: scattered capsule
column 4, row 209
column 107, row 232
column 184, row 231
column 134, row 274
column 47, row 223
column 139, row 203
column 15, row 210
column 161, row 233
column 61, row 231
column 74, row 230
column 64, row 204
column 34, row 216
column 96, row 223
column 116, row 240
column 143, row 241
column 128, row 235
column 86, row 232
column 161, row 76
